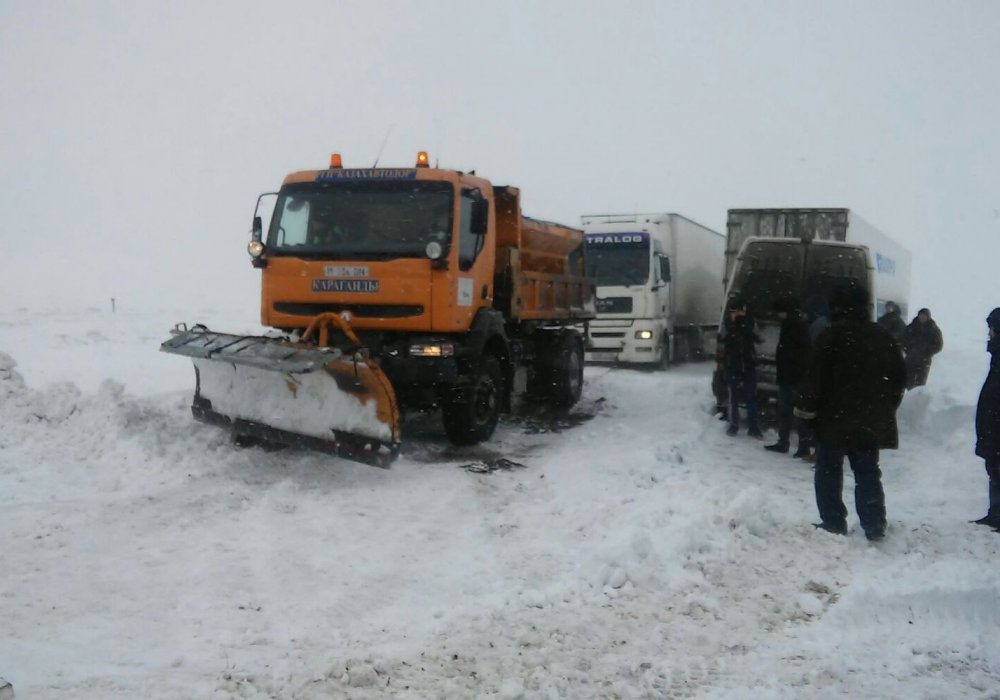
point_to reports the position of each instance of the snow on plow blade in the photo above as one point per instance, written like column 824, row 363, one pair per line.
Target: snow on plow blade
column 292, row 393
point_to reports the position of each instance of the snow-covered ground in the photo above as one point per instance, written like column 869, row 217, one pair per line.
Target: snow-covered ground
column 638, row 553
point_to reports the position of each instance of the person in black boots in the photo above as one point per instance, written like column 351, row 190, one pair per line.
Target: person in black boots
column 854, row 384
column 921, row 341
column 988, row 422
column 790, row 364
column 740, row 364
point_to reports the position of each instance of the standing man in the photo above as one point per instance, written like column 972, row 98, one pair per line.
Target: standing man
column 988, row 422
column 740, row 364
column 853, row 386
column 790, row 363
column 892, row 321
column 922, row 340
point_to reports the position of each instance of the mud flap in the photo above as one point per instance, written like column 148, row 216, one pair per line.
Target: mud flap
column 292, row 393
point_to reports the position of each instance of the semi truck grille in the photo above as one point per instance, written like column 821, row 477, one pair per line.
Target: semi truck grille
column 360, row 310
column 614, row 305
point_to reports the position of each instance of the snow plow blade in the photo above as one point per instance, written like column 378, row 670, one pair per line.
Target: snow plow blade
column 290, row 393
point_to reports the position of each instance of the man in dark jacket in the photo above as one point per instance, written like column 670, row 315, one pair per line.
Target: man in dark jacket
column 921, row 341
column 740, row 365
column 892, row 321
column 790, row 363
column 988, row 421
column 853, row 386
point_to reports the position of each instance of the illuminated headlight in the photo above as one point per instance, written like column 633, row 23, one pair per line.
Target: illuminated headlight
column 255, row 248
column 434, row 250
column 644, row 335
column 432, row 350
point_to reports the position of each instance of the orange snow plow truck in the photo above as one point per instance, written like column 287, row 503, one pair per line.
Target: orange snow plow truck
column 389, row 289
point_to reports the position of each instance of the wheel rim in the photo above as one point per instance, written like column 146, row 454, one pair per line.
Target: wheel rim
column 575, row 373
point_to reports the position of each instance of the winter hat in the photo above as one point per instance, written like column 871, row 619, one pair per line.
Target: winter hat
column 993, row 320
column 849, row 300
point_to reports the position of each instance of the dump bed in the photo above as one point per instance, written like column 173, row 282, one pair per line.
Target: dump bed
column 540, row 272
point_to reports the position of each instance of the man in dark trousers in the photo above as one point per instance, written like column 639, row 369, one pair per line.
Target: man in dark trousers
column 921, row 341
column 790, row 364
column 739, row 362
column 855, row 381
column 988, row 422
column 892, row 321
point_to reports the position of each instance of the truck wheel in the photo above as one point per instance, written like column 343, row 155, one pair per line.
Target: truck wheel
column 681, row 348
column 474, row 418
column 567, row 372
column 664, row 363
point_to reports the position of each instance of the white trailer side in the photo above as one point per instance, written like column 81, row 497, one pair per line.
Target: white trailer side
column 892, row 262
column 697, row 256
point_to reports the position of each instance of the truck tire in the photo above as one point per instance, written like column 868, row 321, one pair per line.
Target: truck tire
column 682, row 347
column 566, row 383
column 665, row 358
column 474, row 418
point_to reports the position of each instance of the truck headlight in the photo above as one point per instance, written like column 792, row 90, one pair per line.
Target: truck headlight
column 255, row 248
column 434, row 250
column 432, row 350
column 644, row 335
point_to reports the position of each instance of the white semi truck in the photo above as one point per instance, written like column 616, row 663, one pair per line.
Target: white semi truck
column 805, row 254
column 659, row 287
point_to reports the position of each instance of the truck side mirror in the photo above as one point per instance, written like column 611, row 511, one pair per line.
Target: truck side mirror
column 480, row 219
column 665, row 269
column 256, row 230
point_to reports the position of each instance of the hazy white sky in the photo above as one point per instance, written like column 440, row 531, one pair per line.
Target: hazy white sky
column 135, row 137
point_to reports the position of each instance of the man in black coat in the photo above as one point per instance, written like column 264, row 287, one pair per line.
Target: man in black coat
column 921, row 341
column 854, row 384
column 739, row 363
column 790, row 363
column 988, row 421
column 892, row 321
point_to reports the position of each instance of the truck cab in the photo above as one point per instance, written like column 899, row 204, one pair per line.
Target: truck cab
column 632, row 273
column 462, row 301
column 407, row 249
column 659, row 287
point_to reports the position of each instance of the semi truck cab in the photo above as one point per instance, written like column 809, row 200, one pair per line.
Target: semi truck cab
column 632, row 273
column 659, row 287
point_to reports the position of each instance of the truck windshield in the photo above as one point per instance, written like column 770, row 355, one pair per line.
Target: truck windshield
column 828, row 265
column 361, row 219
column 618, row 259
column 769, row 271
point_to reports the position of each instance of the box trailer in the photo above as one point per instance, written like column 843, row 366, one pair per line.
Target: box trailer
column 805, row 254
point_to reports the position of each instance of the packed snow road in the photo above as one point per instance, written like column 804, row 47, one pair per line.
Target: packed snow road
column 631, row 550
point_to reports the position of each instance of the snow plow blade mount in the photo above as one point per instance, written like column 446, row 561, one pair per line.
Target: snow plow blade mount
column 296, row 394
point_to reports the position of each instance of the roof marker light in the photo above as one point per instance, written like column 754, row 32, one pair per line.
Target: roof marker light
column 335, row 161
column 422, row 160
